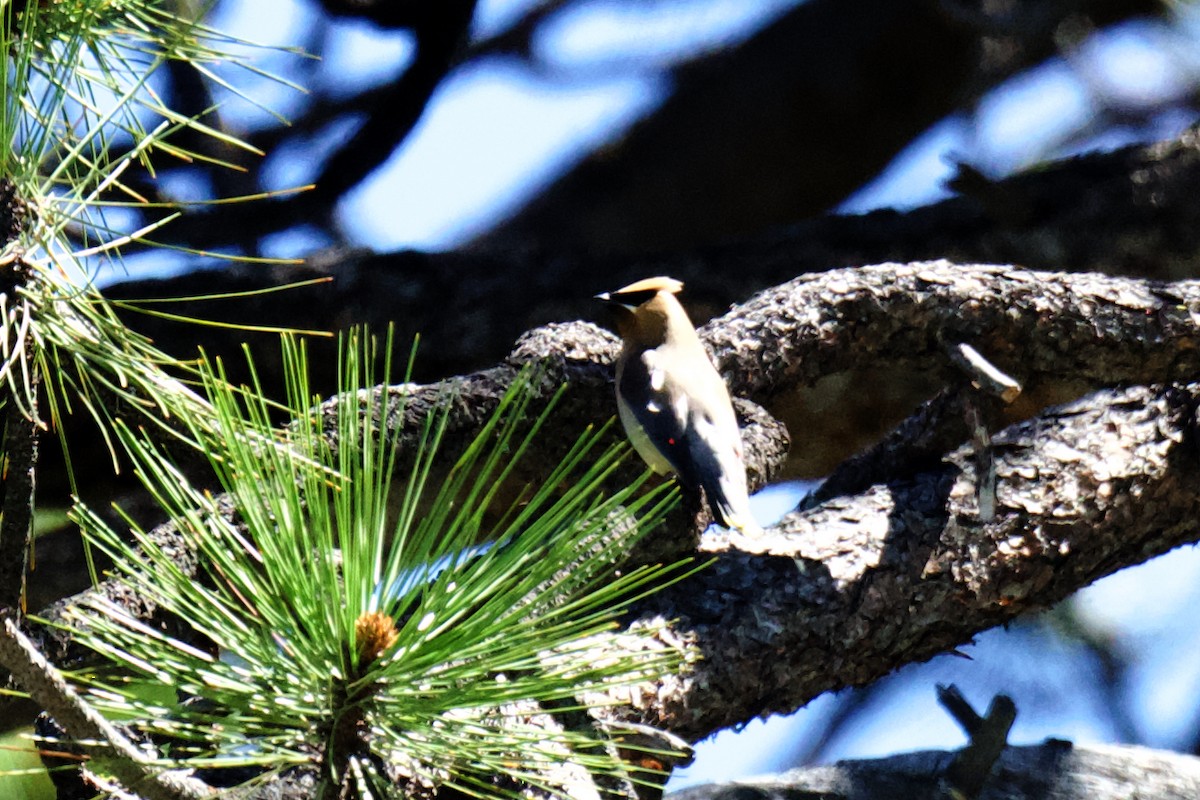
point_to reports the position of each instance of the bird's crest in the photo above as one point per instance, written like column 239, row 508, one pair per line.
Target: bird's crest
column 660, row 283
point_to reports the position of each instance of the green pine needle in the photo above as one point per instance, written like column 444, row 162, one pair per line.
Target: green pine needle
column 365, row 613
column 78, row 109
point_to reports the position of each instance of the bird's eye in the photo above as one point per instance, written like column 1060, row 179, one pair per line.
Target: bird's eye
column 634, row 299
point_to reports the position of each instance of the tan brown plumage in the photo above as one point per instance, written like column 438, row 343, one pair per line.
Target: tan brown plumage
column 673, row 403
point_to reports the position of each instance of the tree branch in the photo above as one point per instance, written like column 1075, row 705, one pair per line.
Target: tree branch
column 1037, row 325
column 1083, row 490
column 440, row 36
column 969, row 772
column 1054, row 769
column 92, row 733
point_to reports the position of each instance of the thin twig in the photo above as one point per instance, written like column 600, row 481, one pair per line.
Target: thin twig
column 984, row 375
column 97, row 737
column 968, row 773
column 987, row 381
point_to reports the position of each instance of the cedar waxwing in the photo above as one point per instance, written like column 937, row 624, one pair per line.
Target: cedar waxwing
column 673, row 402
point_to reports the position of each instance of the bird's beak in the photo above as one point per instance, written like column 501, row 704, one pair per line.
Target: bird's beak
column 614, row 305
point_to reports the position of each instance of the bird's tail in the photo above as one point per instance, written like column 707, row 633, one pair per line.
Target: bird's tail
column 730, row 503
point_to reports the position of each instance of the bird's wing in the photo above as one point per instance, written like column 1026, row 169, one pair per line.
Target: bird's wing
column 700, row 443
column 661, row 414
column 716, row 450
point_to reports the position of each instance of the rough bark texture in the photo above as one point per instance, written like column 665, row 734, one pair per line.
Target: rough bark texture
column 680, row 180
column 1130, row 210
column 1053, row 770
column 844, row 593
column 1035, row 325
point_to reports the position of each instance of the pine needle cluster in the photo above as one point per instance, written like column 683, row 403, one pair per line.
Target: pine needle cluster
column 361, row 617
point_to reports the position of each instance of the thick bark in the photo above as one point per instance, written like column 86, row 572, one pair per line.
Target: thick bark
column 16, row 503
column 844, row 593
column 1035, row 325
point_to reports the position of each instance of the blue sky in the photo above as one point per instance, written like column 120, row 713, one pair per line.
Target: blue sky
column 499, row 130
